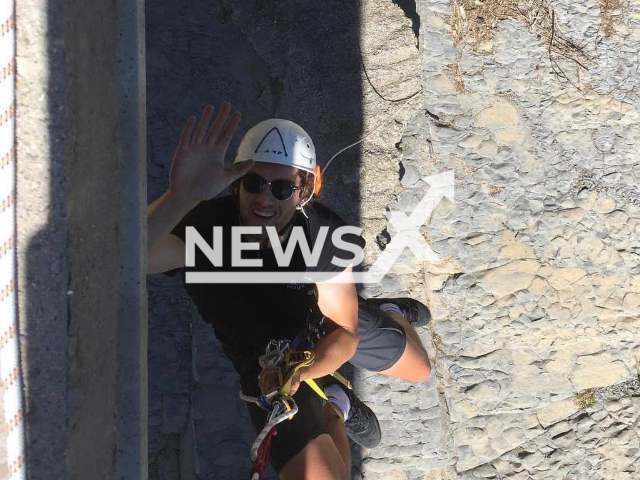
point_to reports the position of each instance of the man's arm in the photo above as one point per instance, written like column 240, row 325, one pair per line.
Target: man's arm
column 198, row 172
column 338, row 302
column 165, row 251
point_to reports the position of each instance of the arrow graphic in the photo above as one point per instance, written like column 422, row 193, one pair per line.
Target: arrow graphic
column 408, row 229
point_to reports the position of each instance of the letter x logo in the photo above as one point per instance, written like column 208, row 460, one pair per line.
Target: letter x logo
column 408, row 228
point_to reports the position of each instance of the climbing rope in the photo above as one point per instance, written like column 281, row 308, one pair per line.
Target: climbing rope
column 10, row 368
column 406, row 101
column 279, row 403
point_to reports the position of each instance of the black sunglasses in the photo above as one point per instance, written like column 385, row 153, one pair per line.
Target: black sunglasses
column 281, row 189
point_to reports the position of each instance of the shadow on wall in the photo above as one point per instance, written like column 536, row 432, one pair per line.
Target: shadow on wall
column 71, row 273
column 295, row 60
column 410, row 11
column 43, row 310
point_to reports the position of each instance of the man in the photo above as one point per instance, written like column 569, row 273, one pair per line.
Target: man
column 272, row 181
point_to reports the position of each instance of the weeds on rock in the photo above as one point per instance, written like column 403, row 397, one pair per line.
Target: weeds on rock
column 607, row 7
column 473, row 23
column 585, row 399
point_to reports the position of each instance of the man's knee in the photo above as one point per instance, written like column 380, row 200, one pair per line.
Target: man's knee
column 423, row 372
column 412, row 366
column 418, row 372
column 422, row 364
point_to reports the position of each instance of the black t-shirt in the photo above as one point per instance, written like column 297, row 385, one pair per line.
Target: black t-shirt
column 246, row 316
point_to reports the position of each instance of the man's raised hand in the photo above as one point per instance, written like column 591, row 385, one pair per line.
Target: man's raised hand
column 198, row 170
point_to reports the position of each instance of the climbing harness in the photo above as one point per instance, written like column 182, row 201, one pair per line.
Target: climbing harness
column 279, row 403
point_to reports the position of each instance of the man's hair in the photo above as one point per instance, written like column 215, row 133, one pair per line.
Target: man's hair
column 306, row 184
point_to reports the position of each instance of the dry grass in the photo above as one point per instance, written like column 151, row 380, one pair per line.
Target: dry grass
column 585, row 399
column 436, row 339
column 455, row 74
column 473, row 23
column 607, row 7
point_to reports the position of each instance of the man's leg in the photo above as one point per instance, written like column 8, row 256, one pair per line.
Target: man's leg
column 318, row 460
column 414, row 364
column 323, row 457
column 334, row 426
column 312, row 444
column 389, row 345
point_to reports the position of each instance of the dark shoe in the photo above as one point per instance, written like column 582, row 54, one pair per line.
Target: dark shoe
column 362, row 424
column 414, row 312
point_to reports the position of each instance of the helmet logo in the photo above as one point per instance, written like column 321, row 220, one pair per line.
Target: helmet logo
column 273, row 144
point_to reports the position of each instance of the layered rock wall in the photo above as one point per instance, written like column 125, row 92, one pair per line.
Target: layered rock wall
column 539, row 304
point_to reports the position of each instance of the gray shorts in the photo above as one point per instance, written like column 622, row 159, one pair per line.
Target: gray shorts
column 382, row 340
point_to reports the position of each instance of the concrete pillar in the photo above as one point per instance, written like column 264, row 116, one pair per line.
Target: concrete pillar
column 81, row 206
column 131, row 393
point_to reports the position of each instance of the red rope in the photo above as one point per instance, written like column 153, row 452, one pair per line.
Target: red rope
column 259, row 465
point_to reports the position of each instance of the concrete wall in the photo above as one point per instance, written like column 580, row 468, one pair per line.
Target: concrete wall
column 81, row 182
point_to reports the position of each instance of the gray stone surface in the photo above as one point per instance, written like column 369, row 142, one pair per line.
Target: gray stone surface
column 220, row 419
column 132, row 378
column 544, row 249
column 170, row 366
column 42, row 239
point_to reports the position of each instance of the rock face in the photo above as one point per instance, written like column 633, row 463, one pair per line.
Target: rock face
column 535, row 336
column 544, row 235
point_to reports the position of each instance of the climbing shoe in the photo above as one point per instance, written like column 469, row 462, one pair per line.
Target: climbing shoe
column 361, row 424
column 413, row 311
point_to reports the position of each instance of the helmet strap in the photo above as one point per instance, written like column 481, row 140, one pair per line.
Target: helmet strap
column 301, row 208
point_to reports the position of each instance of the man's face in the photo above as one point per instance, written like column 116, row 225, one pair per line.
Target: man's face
column 263, row 209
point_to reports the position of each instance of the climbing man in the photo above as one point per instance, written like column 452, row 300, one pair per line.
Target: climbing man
column 271, row 182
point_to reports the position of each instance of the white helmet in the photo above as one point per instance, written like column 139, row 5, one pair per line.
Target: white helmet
column 279, row 141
